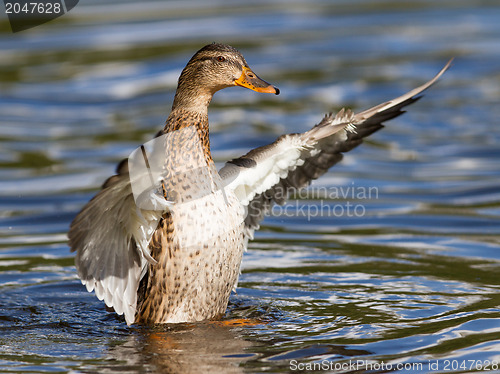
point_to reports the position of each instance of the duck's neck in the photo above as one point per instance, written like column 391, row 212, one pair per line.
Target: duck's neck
column 182, row 118
column 192, row 98
column 190, row 108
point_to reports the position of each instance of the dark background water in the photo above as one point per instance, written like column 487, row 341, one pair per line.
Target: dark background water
column 414, row 280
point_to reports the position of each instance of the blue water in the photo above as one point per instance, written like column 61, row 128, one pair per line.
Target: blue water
column 409, row 284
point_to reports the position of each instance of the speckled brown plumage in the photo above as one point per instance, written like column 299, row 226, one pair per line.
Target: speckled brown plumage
column 193, row 282
column 194, row 276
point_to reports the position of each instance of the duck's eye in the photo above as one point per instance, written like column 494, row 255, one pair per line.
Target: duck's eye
column 221, row 59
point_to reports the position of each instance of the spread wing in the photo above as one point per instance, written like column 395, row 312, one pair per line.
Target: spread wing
column 266, row 175
column 111, row 237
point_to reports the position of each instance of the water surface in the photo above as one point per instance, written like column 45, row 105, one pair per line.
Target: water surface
column 410, row 278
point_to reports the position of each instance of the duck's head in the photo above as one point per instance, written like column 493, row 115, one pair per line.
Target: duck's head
column 212, row 68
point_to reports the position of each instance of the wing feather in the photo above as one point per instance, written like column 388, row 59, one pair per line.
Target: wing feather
column 111, row 237
column 266, row 175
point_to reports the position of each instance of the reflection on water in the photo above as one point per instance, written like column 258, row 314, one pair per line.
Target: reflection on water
column 414, row 279
column 196, row 348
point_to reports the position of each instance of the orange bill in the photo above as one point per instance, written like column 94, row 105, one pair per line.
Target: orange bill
column 250, row 80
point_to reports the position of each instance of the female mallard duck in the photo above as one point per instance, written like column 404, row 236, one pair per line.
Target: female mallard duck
column 176, row 258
